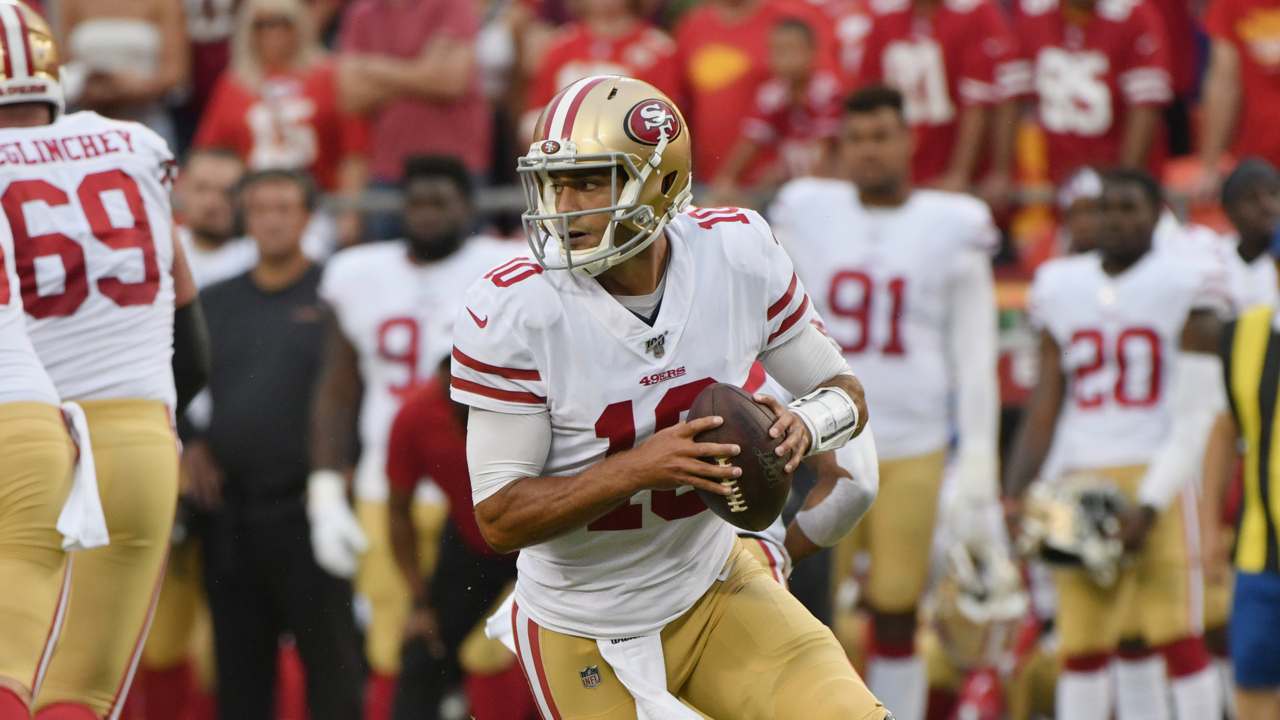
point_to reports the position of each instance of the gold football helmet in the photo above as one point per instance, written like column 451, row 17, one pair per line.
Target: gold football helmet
column 30, row 72
column 616, row 123
column 1075, row 522
column 979, row 604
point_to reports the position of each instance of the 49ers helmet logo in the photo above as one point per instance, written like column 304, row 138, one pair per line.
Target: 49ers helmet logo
column 650, row 120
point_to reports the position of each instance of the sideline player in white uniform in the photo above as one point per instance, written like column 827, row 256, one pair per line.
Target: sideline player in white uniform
column 578, row 367
column 36, row 451
column 902, row 278
column 1129, row 384
column 86, row 200
column 393, row 304
column 203, row 194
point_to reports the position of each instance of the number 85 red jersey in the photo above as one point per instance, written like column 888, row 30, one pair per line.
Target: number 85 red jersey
column 86, row 202
column 529, row 341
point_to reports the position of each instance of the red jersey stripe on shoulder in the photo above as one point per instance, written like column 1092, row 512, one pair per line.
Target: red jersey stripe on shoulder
column 514, row 396
column 785, row 300
column 508, row 373
column 792, row 319
column 535, row 648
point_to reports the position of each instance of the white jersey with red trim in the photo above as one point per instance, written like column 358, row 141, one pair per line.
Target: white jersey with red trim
column 1120, row 338
column 529, row 341
column 398, row 314
column 86, row 201
column 22, row 377
column 881, row 279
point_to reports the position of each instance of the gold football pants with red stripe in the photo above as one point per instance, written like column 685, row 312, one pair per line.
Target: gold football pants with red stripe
column 114, row 588
column 36, row 461
column 746, row 649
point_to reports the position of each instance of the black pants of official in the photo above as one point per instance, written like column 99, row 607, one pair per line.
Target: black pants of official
column 262, row 580
column 463, row 588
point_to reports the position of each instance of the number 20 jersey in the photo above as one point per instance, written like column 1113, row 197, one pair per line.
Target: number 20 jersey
column 881, row 281
column 529, row 341
column 1119, row 338
column 86, row 204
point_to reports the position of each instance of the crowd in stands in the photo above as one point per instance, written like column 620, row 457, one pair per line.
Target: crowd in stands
column 1005, row 95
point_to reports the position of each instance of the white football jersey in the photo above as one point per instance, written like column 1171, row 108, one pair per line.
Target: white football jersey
column 1120, row 338
column 22, row 377
column 880, row 278
column 399, row 316
column 1251, row 283
column 529, row 341
column 86, row 203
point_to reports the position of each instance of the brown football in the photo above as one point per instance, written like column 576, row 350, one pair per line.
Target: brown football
column 761, row 490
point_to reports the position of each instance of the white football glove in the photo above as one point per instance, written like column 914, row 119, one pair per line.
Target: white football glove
column 336, row 538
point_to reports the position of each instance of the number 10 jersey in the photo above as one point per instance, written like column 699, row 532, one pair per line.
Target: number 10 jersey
column 86, row 203
column 529, row 341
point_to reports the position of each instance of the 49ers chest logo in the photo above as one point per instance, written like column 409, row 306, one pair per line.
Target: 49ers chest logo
column 649, row 121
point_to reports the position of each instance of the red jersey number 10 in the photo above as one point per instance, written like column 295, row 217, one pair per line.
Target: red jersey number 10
column 617, row 424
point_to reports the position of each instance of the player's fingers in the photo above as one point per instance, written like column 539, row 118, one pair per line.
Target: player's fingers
column 714, row 450
column 693, row 427
column 714, row 471
column 711, row 486
column 779, row 411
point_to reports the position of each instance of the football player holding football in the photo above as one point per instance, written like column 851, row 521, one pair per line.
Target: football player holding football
column 86, row 201
column 632, row 599
column 36, row 450
column 391, row 302
column 907, row 292
column 1129, row 383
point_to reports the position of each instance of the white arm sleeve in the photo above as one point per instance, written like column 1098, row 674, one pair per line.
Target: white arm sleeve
column 503, row 447
column 1198, row 397
column 973, row 349
column 805, row 361
column 838, row 513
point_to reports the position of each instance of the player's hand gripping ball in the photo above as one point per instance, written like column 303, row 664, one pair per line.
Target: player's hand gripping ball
column 762, row 489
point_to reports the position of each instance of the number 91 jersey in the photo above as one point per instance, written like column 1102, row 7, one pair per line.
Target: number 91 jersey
column 881, row 279
column 1119, row 338
column 529, row 341
column 86, row 201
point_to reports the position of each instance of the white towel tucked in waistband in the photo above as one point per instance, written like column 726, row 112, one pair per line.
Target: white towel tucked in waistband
column 81, row 521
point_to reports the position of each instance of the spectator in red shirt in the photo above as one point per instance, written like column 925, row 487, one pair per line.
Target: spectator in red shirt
column 428, row 441
column 1098, row 71
column 797, row 111
column 722, row 50
column 610, row 39
column 1241, row 88
column 945, row 57
column 276, row 106
column 411, row 65
column 210, row 24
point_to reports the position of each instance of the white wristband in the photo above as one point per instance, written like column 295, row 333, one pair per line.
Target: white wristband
column 830, row 416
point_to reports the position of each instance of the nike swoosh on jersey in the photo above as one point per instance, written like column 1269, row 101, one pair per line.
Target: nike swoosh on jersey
column 479, row 322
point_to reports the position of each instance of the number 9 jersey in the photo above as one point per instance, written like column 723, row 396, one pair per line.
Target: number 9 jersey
column 86, row 201
column 1119, row 339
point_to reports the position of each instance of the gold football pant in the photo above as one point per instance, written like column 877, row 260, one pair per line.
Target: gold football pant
column 746, row 650
column 181, row 628
column 114, row 588
column 36, row 460
column 1159, row 595
column 897, row 532
column 379, row 580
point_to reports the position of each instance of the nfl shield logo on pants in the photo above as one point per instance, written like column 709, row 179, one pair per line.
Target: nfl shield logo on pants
column 590, row 677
